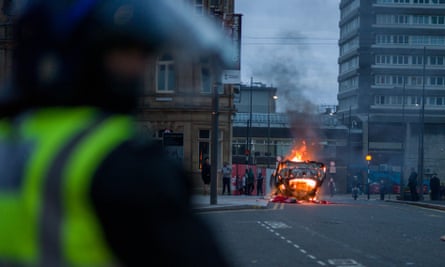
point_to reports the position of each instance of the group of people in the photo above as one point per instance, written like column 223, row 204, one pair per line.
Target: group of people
column 245, row 184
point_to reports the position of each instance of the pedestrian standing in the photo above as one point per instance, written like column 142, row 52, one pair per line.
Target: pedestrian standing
column 226, row 173
column 239, row 184
column 205, row 175
column 243, row 184
column 355, row 187
column 250, row 181
column 435, row 187
column 246, row 182
column 259, row 184
column 331, row 186
column 412, row 184
column 382, row 189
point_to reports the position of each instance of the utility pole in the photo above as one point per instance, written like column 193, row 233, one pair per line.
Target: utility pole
column 368, row 159
column 422, row 129
column 268, row 129
column 249, row 137
column 404, row 134
column 215, row 152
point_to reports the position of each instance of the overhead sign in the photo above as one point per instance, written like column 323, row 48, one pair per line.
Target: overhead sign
column 332, row 168
column 231, row 73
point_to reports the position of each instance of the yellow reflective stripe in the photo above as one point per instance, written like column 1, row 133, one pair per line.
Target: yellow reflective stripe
column 9, row 211
column 84, row 240
column 10, row 243
column 49, row 129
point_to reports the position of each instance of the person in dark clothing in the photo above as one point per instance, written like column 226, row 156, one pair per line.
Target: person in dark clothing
column 382, row 189
column 79, row 184
column 250, row 181
column 412, row 184
column 331, row 186
column 205, row 175
column 259, row 184
column 246, row 182
column 435, row 187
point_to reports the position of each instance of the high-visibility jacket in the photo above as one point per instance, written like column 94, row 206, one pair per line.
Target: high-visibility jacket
column 46, row 167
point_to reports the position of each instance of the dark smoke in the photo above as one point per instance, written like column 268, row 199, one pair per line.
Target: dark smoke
column 284, row 71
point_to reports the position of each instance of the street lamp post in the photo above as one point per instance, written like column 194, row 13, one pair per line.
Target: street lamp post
column 402, row 169
column 214, row 165
column 368, row 159
column 249, row 136
column 268, row 127
column 422, row 129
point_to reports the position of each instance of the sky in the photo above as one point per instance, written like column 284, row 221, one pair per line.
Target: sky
column 291, row 45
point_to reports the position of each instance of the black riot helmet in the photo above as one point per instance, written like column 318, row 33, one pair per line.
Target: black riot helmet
column 60, row 47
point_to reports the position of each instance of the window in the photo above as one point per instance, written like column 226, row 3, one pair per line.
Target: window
column 206, row 76
column 401, row 19
column 421, row 1
column 379, row 100
column 400, row 59
column 199, row 7
column 435, row 101
column 416, row 80
column 417, row 60
column 165, row 74
column 415, row 100
column 400, row 39
column 437, row 20
column 214, row 3
column 206, row 80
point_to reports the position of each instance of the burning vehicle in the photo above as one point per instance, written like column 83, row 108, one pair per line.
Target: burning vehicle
column 299, row 179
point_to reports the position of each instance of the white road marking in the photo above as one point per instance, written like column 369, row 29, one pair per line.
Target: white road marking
column 269, row 225
column 276, row 225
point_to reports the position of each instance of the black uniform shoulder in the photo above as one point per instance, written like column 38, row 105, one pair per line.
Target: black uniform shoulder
column 139, row 170
column 142, row 198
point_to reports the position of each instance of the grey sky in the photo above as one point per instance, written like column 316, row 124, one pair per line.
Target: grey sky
column 292, row 45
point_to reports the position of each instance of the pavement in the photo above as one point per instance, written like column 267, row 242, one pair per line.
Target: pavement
column 229, row 202
column 202, row 203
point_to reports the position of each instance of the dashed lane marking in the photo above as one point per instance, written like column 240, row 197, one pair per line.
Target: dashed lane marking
column 271, row 225
column 276, row 225
column 278, row 206
column 344, row 263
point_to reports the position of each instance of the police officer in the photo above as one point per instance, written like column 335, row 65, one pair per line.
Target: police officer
column 226, row 172
column 79, row 187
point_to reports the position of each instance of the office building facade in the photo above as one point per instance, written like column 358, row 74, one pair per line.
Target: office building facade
column 392, row 84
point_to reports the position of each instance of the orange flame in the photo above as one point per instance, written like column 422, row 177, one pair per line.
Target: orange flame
column 298, row 154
